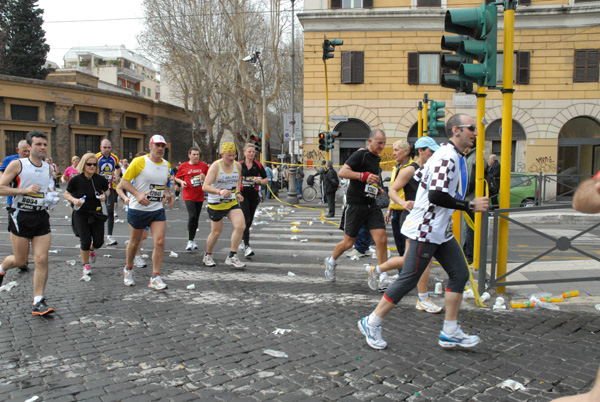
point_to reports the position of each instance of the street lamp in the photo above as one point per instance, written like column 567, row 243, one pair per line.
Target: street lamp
column 292, row 197
column 255, row 58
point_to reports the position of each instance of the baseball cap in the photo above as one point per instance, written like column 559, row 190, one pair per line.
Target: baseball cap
column 157, row 139
column 427, row 142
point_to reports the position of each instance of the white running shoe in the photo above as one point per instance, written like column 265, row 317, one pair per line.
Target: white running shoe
column 329, row 270
column 190, row 246
column 87, row 270
column 242, row 246
column 139, row 262
column 128, row 277
column 194, row 245
column 110, row 241
column 372, row 277
column 208, row 261
column 458, row 338
column 355, row 253
column 428, row 305
column 235, row 261
column 93, row 256
column 157, row 283
column 372, row 334
column 248, row 252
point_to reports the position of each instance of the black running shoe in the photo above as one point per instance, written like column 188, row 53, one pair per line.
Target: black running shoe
column 41, row 308
column 24, row 268
column 1, row 279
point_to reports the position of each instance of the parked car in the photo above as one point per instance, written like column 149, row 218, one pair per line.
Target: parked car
column 523, row 190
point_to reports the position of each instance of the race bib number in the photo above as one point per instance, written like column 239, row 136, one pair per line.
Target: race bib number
column 370, row 191
column 248, row 182
column 449, row 231
column 157, row 192
column 107, row 176
column 31, row 202
column 196, row 181
column 230, row 198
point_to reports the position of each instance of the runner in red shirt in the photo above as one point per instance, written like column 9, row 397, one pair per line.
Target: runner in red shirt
column 190, row 177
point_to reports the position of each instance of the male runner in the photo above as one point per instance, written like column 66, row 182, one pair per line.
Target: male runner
column 109, row 167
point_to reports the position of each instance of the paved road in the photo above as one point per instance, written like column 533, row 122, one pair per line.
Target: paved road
column 108, row 342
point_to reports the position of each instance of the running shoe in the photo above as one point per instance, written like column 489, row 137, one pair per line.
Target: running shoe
column 110, row 241
column 24, row 268
column 248, row 252
column 372, row 277
column 428, row 305
column 93, row 257
column 329, row 270
column 139, row 262
column 87, row 270
column 208, row 261
column 41, row 308
column 355, row 253
column 194, row 245
column 372, row 334
column 190, row 246
column 242, row 246
column 458, row 338
column 157, row 283
column 1, row 279
column 235, row 261
column 128, row 277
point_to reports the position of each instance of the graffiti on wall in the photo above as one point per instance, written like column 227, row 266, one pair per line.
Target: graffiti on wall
column 545, row 164
column 316, row 156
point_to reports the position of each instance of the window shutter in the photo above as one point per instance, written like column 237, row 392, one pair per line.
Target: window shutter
column 580, row 62
column 413, row 68
column 367, row 3
column 429, row 3
column 523, row 67
column 592, row 66
column 358, row 67
column 524, row 2
column 336, row 4
column 346, row 67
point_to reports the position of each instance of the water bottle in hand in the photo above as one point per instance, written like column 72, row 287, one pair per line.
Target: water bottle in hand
column 82, row 200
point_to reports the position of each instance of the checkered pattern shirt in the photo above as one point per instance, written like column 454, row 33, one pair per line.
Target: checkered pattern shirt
column 428, row 222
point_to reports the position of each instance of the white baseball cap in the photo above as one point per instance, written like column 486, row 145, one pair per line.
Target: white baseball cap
column 157, row 139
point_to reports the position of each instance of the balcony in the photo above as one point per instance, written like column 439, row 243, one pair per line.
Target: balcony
column 130, row 75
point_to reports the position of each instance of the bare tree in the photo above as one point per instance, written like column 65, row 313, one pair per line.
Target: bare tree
column 200, row 46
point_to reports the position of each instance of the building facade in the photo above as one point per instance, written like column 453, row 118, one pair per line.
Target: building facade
column 391, row 58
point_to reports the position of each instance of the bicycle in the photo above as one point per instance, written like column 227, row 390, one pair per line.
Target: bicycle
column 310, row 192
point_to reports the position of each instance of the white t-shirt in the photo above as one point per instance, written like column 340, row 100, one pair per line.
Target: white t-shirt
column 148, row 176
column 428, row 222
column 275, row 174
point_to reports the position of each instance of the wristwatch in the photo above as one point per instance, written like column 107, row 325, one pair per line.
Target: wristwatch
column 472, row 206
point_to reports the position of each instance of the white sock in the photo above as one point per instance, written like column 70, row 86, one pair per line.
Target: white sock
column 374, row 320
column 423, row 296
column 37, row 299
column 332, row 261
column 382, row 277
column 377, row 270
column 2, row 271
column 450, row 326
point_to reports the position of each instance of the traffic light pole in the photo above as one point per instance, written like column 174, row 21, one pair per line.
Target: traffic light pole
column 292, row 196
column 326, row 103
column 424, row 130
column 479, row 174
column 420, row 120
column 506, row 157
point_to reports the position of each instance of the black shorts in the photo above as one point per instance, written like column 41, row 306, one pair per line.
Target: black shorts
column 356, row 216
column 29, row 224
column 216, row 215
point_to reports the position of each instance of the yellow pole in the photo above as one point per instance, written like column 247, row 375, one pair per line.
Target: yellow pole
column 420, row 120
column 425, row 101
column 326, row 102
column 506, row 157
column 479, row 171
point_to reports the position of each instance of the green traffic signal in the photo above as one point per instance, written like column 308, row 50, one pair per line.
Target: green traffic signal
column 329, row 47
column 453, row 62
column 330, row 139
column 434, row 114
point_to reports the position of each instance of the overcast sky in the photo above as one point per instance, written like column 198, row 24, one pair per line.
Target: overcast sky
column 70, row 23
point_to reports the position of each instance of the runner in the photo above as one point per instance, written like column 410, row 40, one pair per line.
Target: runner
column 443, row 180
column 222, row 184
column 71, row 171
column 29, row 181
column 253, row 176
column 190, row 177
column 151, row 175
column 109, row 167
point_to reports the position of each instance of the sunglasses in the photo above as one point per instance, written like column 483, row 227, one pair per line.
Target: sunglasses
column 469, row 126
column 91, row 164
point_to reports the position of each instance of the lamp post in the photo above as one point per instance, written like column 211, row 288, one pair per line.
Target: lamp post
column 292, row 196
column 255, row 58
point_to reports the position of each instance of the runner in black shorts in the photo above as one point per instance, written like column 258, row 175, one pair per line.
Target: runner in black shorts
column 362, row 168
column 29, row 181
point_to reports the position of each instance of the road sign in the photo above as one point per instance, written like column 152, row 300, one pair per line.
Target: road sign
column 297, row 126
column 281, row 156
column 338, row 119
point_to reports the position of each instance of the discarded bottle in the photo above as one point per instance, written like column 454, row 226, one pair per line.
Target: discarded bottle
column 71, row 262
column 82, row 200
column 570, row 293
column 54, row 251
column 552, row 299
column 275, row 353
column 515, row 304
column 485, row 296
column 438, row 287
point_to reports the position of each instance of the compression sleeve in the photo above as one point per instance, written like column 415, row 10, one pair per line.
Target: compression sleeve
column 445, row 200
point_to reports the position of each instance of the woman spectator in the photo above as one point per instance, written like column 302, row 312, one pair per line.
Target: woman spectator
column 253, row 176
column 88, row 219
column 71, row 171
column 402, row 155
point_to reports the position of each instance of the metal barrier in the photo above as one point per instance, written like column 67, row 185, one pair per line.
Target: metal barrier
column 560, row 243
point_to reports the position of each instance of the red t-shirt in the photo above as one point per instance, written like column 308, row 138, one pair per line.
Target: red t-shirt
column 191, row 175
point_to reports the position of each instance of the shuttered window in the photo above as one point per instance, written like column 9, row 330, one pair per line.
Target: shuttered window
column 586, row 66
column 522, row 76
column 429, row 3
column 423, row 68
column 353, row 67
column 336, row 4
column 413, row 68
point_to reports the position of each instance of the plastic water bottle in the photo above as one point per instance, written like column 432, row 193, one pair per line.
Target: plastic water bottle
column 571, row 293
column 76, row 207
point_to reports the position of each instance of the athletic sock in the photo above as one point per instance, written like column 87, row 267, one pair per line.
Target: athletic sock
column 37, row 299
column 377, row 270
column 423, row 296
column 232, row 254
column 155, row 274
column 374, row 320
column 2, row 271
column 332, row 261
column 450, row 326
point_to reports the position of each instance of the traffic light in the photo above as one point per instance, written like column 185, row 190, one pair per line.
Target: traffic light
column 434, row 114
column 453, row 62
column 481, row 25
column 329, row 47
column 257, row 138
column 330, row 139
column 323, row 141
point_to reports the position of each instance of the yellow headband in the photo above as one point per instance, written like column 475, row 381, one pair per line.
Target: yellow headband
column 228, row 147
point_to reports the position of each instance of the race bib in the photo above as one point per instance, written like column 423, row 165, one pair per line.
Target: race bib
column 157, row 192
column 196, row 181
column 370, row 191
column 31, row 202
column 449, row 231
column 230, row 198
column 248, row 182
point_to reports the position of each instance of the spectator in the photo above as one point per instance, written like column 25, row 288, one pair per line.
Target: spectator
column 331, row 185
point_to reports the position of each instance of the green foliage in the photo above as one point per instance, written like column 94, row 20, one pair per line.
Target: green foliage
column 23, row 41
